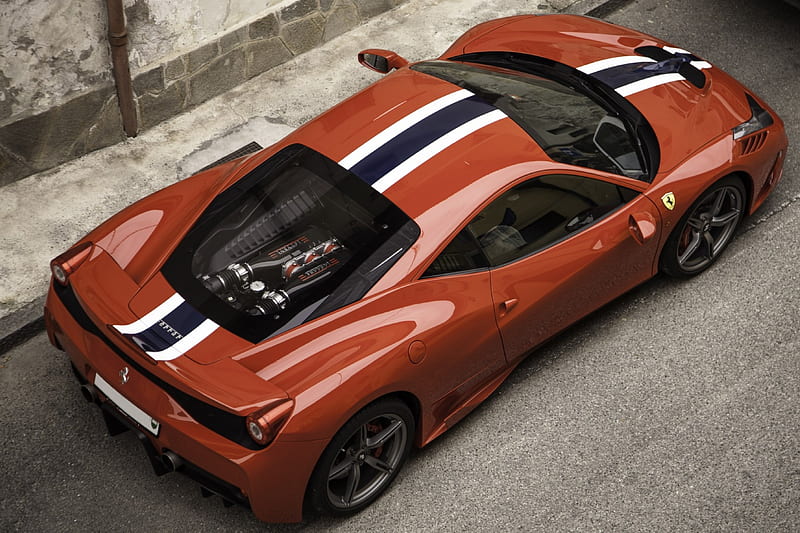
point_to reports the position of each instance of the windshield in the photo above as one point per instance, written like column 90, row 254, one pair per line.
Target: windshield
column 570, row 126
column 295, row 238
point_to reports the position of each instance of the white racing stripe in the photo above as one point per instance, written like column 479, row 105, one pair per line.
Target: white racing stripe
column 125, row 405
column 611, row 62
column 152, row 317
column 700, row 64
column 440, row 144
column 197, row 335
column 673, row 50
column 402, row 125
column 648, row 83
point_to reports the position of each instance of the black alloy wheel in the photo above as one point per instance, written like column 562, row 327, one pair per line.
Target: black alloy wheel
column 362, row 459
column 706, row 229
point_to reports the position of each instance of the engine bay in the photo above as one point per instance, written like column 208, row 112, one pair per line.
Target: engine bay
column 266, row 283
column 296, row 237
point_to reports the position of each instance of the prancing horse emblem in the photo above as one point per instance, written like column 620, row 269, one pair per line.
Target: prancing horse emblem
column 123, row 375
column 669, row 201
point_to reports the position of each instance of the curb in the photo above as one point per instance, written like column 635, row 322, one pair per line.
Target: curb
column 597, row 8
column 21, row 325
column 25, row 323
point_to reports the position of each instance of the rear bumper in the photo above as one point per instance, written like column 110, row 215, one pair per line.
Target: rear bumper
column 271, row 481
column 118, row 422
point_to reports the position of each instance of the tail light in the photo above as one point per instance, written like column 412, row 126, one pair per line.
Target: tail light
column 264, row 424
column 65, row 264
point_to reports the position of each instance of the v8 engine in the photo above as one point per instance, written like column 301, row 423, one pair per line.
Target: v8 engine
column 267, row 282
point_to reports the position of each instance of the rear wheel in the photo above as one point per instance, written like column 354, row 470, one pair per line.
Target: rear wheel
column 363, row 458
column 706, row 229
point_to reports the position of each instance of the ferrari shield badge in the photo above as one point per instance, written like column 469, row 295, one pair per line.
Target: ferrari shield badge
column 669, row 201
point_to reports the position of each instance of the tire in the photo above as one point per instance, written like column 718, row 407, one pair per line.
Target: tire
column 362, row 459
column 705, row 230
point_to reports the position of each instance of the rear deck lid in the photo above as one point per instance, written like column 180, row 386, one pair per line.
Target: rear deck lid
column 168, row 327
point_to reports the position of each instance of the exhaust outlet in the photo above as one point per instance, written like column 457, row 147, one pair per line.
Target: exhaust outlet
column 89, row 392
column 171, row 460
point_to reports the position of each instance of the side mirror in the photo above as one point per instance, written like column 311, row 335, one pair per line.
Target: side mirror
column 382, row 61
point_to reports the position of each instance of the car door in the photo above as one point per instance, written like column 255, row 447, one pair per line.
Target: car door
column 466, row 350
column 559, row 247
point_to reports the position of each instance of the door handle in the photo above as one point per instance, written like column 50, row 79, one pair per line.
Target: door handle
column 642, row 226
column 507, row 306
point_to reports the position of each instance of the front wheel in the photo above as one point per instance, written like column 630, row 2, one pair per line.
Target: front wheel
column 705, row 230
column 362, row 459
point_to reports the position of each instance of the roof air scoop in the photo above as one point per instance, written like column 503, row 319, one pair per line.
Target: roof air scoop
column 670, row 60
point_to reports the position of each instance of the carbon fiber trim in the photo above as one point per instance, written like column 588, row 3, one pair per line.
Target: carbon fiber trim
column 247, row 149
column 118, row 423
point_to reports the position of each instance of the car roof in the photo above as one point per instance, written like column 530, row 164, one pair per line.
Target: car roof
column 418, row 139
column 388, row 135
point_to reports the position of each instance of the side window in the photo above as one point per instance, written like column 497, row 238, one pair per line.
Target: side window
column 541, row 212
column 461, row 255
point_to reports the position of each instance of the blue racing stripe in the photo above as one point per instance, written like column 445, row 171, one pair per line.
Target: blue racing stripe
column 169, row 330
column 393, row 153
column 624, row 74
column 184, row 319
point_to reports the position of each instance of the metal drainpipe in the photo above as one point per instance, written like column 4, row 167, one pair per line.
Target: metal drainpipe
column 118, row 39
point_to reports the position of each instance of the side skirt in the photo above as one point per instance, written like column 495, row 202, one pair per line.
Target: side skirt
column 470, row 403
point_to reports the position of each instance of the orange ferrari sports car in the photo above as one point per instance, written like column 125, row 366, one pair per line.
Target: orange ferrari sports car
column 286, row 326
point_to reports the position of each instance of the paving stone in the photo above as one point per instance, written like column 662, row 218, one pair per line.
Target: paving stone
column 371, row 8
column 560, row 5
column 151, row 81
column 341, row 19
column 304, row 34
column 299, row 9
column 107, row 129
column 47, row 139
column 175, row 69
column 222, row 74
column 155, row 108
column 265, row 54
column 264, row 27
column 233, row 39
column 12, row 167
column 200, row 57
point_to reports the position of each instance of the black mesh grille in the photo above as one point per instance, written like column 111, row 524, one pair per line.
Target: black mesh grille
column 247, row 149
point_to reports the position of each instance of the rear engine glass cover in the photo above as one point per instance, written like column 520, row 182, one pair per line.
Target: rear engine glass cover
column 296, row 238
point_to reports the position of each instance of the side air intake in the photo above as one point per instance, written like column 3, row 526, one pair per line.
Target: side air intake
column 753, row 143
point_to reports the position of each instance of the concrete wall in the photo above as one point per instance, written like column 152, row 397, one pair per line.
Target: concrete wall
column 57, row 99
column 51, row 51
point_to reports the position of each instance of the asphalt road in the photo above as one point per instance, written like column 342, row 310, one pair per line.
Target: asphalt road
column 675, row 408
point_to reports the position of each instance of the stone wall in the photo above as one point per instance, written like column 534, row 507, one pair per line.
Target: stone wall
column 49, row 118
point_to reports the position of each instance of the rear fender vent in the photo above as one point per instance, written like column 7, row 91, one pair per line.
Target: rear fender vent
column 753, row 143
